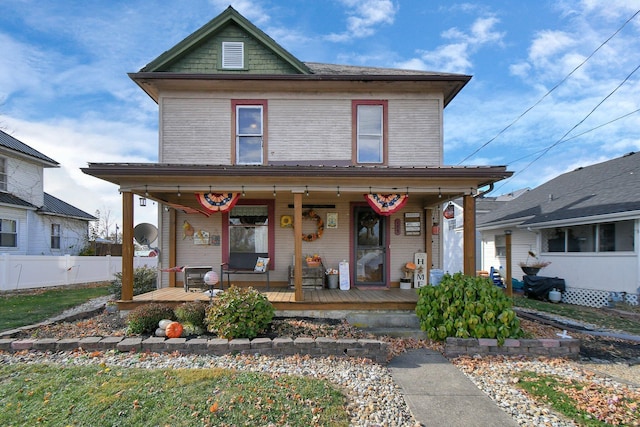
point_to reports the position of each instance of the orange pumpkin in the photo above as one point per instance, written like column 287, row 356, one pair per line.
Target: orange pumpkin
column 174, row 330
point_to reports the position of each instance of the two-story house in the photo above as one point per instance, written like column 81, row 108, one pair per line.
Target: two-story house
column 33, row 222
column 263, row 154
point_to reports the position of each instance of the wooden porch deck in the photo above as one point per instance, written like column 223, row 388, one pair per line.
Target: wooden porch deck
column 283, row 299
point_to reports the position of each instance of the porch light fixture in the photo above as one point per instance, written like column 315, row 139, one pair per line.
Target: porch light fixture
column 146, row 193
column 143, row 201
column 243, row 193
column 338, row 194
column 179, row 191
column 439, row 193
column 274, row 191
column 306, row 190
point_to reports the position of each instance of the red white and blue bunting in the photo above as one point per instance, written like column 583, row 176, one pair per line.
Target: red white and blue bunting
column 217, row 202
column 386, row 204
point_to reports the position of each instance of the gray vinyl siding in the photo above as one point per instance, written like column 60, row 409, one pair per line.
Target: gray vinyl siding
column 309, row 129
column 197, row 129
column 415, row 137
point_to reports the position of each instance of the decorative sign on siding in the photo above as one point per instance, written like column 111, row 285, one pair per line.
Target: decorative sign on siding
column 420, row 273
column 412, row 224
column 201, row 237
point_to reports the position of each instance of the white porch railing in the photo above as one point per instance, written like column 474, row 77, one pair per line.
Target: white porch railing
column 19, row 272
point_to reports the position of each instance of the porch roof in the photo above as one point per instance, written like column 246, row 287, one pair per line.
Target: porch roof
column 166, row 183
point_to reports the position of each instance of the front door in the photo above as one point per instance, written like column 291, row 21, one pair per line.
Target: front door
column 369, row 256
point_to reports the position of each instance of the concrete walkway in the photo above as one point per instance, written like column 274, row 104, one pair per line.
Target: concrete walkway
column 439, row 394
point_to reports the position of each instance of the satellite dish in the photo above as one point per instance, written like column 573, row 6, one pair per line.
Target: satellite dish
column 145, row 233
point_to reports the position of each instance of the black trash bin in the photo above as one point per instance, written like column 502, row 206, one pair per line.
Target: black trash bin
column 538, row 287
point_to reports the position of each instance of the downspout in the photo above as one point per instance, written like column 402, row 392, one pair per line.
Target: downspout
column 482, row 193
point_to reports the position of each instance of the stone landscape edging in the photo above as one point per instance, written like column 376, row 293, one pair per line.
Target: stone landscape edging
column 565, row 347
column 316, row 347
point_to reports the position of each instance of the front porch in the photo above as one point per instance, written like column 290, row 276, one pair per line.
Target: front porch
column 284, row 299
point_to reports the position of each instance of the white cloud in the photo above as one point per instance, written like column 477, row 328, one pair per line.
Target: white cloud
column 75, row 143
column 455, row 57
column 364, row 17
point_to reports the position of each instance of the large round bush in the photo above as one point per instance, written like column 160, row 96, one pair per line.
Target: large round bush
column 466, row 306
column 239, row 313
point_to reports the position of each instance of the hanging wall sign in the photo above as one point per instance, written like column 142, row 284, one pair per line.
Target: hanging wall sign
column 412, row 224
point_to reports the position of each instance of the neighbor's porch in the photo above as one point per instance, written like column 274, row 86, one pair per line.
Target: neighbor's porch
column 283, row 299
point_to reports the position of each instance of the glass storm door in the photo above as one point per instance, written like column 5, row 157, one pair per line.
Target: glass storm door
column 370, row 247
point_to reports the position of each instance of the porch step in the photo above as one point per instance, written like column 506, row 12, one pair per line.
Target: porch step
column 394, row 323
column 388, row 323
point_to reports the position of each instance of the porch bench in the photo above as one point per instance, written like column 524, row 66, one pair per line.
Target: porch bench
column 244, row 264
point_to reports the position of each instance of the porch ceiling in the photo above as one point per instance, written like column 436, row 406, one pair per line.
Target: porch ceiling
column 172, row 183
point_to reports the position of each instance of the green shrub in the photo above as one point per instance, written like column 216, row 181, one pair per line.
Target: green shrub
column 464, row 307
column 191, row 313
column 239, row 313
column 145, row 318
column 144, row 280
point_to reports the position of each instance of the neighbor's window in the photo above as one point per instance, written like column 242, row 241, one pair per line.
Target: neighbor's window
column 501, row 245
column 370, row 131
column 55, row 236
column 607, row 237
column 3, row 174
column 8, row 233
column 250, row 125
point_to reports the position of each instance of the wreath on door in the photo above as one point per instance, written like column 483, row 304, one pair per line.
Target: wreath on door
column 310, row 214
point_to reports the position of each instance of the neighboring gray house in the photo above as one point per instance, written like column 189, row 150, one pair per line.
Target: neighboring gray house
column 33, row 222
column 585, row 222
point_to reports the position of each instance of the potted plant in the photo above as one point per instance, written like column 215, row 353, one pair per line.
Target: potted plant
column 332, row 278
column 531, row 268
column 407, row 270
column 313, row 260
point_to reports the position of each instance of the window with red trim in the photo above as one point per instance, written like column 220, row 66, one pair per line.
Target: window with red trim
column 370, row 131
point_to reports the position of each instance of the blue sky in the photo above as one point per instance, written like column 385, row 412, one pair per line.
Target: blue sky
column 64, row 88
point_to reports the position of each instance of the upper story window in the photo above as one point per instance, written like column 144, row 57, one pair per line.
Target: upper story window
column 250, row 125
column 370, row 131
column 3, row 174
column 55, row 236
column 606, row 237
column 8, row 233
column 233, row 55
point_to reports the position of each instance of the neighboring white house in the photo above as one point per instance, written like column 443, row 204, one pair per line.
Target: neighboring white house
column 585, row 222
column 452, row 231
column 33, row 222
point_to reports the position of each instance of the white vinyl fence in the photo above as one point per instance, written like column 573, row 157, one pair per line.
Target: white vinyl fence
column 35, row 271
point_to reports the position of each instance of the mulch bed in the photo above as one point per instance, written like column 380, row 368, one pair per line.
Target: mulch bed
column 112, row 324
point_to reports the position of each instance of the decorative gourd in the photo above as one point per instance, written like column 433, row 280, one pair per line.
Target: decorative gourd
column 161, row 332
column 174, row 330
column 164, row 323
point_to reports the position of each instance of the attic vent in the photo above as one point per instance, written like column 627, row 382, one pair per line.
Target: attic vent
column 232, row 55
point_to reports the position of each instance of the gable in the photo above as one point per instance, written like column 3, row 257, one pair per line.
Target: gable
column 201, row 52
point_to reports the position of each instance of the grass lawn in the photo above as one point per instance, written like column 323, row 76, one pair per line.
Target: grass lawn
column 595, row 316
column 112, row 396
column 33, row 307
